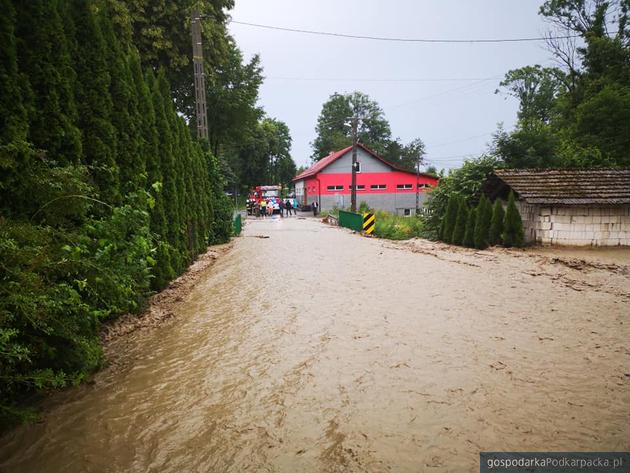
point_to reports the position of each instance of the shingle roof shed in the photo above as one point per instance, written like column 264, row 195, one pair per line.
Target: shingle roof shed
column 563, row 186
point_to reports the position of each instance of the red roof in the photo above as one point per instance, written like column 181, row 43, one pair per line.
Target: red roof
column 334, row 156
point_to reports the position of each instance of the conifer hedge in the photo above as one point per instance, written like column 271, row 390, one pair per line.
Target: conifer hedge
column 104, row 194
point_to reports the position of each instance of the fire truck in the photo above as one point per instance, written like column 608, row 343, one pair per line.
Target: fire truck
column 259, row 193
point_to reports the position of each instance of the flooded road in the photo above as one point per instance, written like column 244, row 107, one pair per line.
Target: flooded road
column 318, row 350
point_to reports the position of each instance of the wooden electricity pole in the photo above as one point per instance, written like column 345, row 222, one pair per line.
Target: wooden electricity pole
column 417, row 179
column 353, row 189
column 200, row 79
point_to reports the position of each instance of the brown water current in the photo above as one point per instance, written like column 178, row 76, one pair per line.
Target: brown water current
column 319, row 350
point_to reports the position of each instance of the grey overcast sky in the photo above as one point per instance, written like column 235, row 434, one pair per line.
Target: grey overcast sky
column 452, row 106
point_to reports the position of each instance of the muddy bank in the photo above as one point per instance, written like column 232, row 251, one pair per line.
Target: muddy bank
column 163, row 305
column 563, row 266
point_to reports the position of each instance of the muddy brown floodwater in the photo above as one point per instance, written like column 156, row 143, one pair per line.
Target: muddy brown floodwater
column 319, row 350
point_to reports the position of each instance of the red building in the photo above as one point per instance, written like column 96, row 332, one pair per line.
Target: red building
column 382, row 185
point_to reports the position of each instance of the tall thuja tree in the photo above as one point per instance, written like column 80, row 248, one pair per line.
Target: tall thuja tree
column 157, row 166
column 202, row 185
column 496, row 224
column 125, row 116
column 469, row 234
column 221, row 229
column 482, row 223
column 15, row 150
column 513, row 225
column 448, row 222
column 149, row 145
column 189, row 203
column 460, row 223
column 95, row 102
column 179, row 163
column 170, row 168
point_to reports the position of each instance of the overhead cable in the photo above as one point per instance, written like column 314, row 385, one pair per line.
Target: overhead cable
column 402, row 40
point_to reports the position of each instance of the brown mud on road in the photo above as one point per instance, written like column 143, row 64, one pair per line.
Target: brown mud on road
column 317, row 350
column 161, row 307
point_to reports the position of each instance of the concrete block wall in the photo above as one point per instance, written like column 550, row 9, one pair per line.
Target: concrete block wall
column 390, row 202
column 582, row 225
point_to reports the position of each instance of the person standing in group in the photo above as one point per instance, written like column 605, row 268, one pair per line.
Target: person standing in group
column 281, row 207
column 270, row 208
column 263, row 208
column 288, row 206
column 315, row 208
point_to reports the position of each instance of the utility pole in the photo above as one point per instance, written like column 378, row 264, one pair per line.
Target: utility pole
column 200, row 78
column 417, row 179
column 353, row 190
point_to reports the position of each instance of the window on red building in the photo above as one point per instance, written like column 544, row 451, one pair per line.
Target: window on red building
column 378, row 186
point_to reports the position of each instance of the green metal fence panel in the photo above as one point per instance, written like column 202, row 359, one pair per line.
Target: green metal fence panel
column 351, row 220
column 238, row 224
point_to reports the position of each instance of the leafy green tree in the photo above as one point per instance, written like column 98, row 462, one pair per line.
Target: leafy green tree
column 513, row 225
column 460, row 223
column 232, row 94
column 469, row 234
column 482, row 223
column 533, row 147
column 537, row 89
column 405, row 156
column 496, row 224
column 333, row 125
column 161, row 32
column 450, row 216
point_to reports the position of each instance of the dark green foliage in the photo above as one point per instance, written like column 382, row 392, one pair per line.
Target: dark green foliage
column 469, row 234
column 496, row 224
column 46, row 64
column 482, row 223
column 460, row 223
column 465, row 182
column 104, row 195
column 14, row 147
column 125, row 112
column 396, row 227
column 577, row 116
column 448, row 222
column 333, row 132
column 513, row 225
column 95, row 102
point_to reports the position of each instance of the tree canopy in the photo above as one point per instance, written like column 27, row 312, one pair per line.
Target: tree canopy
column 334, row 130
column 577, row 114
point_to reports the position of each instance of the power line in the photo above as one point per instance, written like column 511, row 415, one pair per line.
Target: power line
column 461, row 140
column 358, row 79
column 401, row 40
column 466, row 88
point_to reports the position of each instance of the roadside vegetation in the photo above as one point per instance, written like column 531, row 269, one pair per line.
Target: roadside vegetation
column 105, row 195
